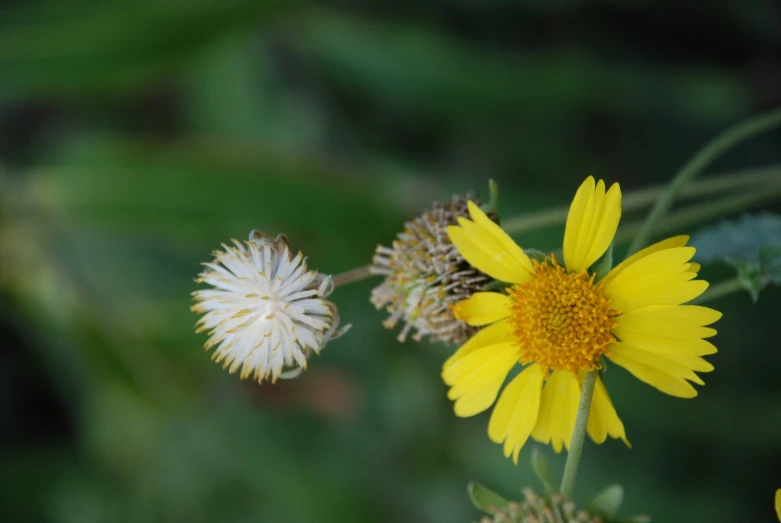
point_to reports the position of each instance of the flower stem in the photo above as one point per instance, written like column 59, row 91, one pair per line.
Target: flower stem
column 352, row 276
column 641, row 198
column 758, row 184
column 697, row 163
column 720, row 290
column 700, row 213
column 578, row 435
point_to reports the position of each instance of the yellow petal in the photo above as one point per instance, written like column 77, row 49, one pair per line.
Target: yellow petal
column 778, row 504
column 482, row 308
column 488, row 243
column 456, row 370
column 667, row 375
column 558, row 410
column 660, row 278
column 671, row 329
column 580, row 210
column 492, row 252
column 603, row 420
column 675, row 241
column 493, row 230
column 499, row 332
column 474, row 254
column 667, row 346
column 674, row 321
column 515, row 414
column 476, row 378
column 690, row 361
column 591, row 224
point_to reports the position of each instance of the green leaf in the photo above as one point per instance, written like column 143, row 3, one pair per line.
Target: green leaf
column 392, row 62
column 603, row 266
column 608, row 501
column 492, row 206
column 638, row 518
column 770, row 262
column 89, row 45
column 738, row 241
column 542, row 469
column 750, row 275
column 485, row 499
column 499, row 286
column 752, row 245
column 535, row 254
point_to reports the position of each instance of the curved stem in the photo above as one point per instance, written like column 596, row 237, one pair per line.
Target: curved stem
column 352, row 276
column 720, row 290
column 641, row 198
column 697, row 163
column 587, row 393
column 578, row 435
column 700, row 213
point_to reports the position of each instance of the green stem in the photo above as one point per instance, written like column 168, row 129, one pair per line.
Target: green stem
column 720, row 290
column 690, row 170
column 641, row 198
column 578, row 435
column 352, row 276
column 701, row 213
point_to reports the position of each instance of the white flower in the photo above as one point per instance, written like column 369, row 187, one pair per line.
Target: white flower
column 265, row 312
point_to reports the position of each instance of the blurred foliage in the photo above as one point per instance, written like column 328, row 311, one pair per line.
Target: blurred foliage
column 752, row 245
column 135, row 136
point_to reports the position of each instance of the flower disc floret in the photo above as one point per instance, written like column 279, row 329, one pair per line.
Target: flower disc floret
column 557, row 322
column 560, row 320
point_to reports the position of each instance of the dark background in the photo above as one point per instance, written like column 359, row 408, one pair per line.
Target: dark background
column 137, row 136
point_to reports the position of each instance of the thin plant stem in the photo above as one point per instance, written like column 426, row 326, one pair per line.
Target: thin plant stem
column 587, row 393
column 578, row 435
column 681, row 219
column 352, row 276
column 720, row 290
column 690, row 170
column 701, row 213
column 641, row 198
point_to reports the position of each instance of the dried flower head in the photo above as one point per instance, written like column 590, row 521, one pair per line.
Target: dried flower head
column 425, row 275
column 541, row 509
column 266, row 312
column 555, row 508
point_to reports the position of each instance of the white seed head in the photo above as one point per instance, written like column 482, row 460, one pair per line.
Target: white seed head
column 265, row 312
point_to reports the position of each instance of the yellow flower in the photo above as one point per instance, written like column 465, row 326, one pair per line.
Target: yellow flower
column 778, row 504
column 558, row 322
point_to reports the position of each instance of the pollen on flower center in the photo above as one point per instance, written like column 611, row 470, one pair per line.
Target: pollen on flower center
column 561, row 320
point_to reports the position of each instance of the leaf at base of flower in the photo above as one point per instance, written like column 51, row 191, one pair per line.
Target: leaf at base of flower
column 770, row 262
column 484, row 499
column 608, row 501
column 542, row 470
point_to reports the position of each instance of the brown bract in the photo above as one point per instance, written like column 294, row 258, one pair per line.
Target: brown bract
column 425, row 275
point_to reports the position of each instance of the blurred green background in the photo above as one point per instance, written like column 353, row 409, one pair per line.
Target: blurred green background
column 135, row 136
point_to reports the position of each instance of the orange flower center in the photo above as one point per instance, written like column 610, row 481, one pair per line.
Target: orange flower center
column 561, row 320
